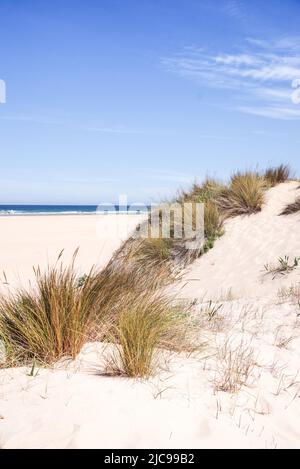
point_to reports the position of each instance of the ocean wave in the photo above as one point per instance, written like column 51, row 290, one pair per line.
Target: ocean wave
column 10, row 212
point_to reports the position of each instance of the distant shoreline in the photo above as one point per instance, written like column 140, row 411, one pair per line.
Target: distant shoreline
column 69, row 214
column 11, row 210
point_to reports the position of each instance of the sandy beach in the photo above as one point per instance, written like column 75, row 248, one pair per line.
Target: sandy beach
column 31, row 241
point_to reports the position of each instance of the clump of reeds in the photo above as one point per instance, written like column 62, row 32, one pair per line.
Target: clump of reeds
column 174, row 247
column 277, row 175
column 143, row 328
column 62, row 312
column 51, row 321
column 244, row 195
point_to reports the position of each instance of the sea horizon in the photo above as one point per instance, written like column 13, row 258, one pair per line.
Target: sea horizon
column 69, row 209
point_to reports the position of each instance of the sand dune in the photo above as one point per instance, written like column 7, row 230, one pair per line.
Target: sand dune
column 241, row 390
column 75, row 407
column 237, row 261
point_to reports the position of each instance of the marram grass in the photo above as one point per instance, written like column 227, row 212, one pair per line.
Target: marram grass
column 245, row 195
column 51, row 321
column 277, row 175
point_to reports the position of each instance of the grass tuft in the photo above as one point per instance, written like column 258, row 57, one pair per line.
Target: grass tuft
column 277, row 175
column 142, row 328
column 49, row 322
column 244, row 196
column 283, row 267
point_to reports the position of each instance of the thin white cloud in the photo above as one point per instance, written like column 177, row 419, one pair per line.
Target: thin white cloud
column 235, row 9
column 291, row 43
column 260, row 70
column 239, row 59
column 272, row 112
column 278, row 94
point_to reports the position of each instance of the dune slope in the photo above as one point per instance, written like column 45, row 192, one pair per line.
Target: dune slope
column 237, row 261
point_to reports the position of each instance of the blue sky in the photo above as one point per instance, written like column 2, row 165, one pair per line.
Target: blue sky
column 141, row 96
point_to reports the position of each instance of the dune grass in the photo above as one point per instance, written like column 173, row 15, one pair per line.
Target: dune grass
column 244, row 195
column 292, row 208
column 283, row 267
column 62, row 312
column 277, row 175
column 173, row 249
column 142, row 329
column 212, row 220
column 49, row 322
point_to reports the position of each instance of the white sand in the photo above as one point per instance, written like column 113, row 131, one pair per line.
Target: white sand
column 185, row 404
column 237, row 261
column 27, row 241
column 179, row 408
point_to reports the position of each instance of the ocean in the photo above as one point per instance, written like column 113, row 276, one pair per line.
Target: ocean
column 10, row 210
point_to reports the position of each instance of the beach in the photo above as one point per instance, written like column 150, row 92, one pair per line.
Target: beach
column 239, row 388
column 32, row 241
column 149, row 227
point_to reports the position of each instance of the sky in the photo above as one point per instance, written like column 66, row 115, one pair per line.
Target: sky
column 140, row 97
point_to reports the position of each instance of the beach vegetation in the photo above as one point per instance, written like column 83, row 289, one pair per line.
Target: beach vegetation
column 292, row 208
column 244, row 195
column 277, row 175
column 284, row 266
column 50, row 321
column 143, row 328
column 235, row 364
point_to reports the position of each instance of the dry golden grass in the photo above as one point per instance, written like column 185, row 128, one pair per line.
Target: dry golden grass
column 207, row 191
column 142, row 329
column 142, row 265
column 277, row 175
column 212, row 220
column 245, row 195
column 49, row 322
column 57, row 317
column 292, row 208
